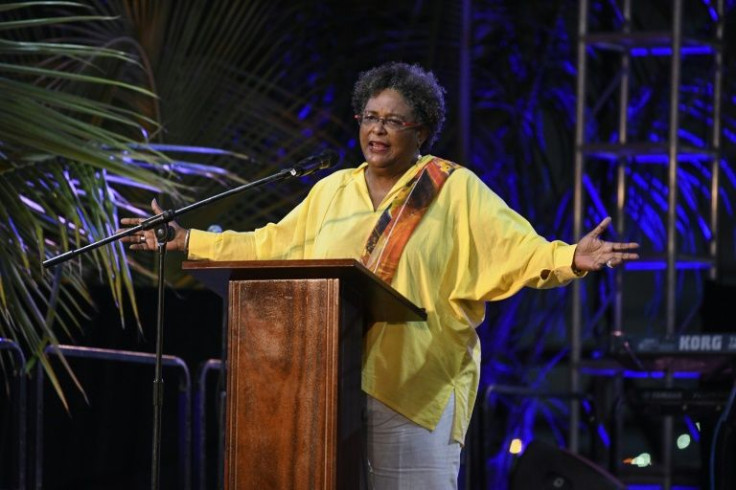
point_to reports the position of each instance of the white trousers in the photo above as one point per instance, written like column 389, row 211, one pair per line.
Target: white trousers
column 405, row 456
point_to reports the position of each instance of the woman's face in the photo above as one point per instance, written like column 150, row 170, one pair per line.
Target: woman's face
column 387, row 145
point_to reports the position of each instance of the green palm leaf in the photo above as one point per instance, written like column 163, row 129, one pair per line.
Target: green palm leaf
column 69, row 143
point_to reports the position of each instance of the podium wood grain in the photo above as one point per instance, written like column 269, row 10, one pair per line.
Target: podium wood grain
column 283, row 404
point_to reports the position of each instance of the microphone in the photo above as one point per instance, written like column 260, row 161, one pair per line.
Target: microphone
column 309, row 165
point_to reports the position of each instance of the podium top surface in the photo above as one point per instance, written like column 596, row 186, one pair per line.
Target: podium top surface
column 382, row 301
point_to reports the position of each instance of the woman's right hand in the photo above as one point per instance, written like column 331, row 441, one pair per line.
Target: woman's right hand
column 146, row 239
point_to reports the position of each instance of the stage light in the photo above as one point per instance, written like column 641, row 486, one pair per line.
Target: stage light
column 516, row 446
column 644, row 459
column 683, row 441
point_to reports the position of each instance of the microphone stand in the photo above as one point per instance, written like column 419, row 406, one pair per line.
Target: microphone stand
column 164, row 234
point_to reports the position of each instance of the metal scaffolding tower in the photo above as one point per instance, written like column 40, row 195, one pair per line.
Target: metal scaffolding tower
column 628, row 158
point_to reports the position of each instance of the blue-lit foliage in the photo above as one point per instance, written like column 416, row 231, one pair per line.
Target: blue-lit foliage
column 524, row 102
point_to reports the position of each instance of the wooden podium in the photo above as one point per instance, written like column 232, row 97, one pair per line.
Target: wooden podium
column 295, row 336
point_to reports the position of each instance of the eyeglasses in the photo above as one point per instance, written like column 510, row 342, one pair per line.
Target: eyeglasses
column 390, row 123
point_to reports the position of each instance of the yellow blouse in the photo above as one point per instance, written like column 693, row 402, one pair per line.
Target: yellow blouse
column 469, row 248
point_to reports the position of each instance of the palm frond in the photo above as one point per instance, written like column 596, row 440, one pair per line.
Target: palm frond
column 69, row 147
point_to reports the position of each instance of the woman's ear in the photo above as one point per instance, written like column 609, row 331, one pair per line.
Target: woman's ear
column 421, row 137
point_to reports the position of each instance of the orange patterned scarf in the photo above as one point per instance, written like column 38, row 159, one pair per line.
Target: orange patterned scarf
column 396, row 224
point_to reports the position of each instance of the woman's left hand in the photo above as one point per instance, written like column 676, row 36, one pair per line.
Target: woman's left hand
column 593, row 254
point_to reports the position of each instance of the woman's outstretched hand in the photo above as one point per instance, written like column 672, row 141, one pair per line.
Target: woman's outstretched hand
column 146, row 239
column 593, row 254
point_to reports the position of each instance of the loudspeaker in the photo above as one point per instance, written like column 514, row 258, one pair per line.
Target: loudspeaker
column 547, row 467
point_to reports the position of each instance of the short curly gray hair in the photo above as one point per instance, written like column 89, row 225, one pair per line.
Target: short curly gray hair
column 419, row 87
